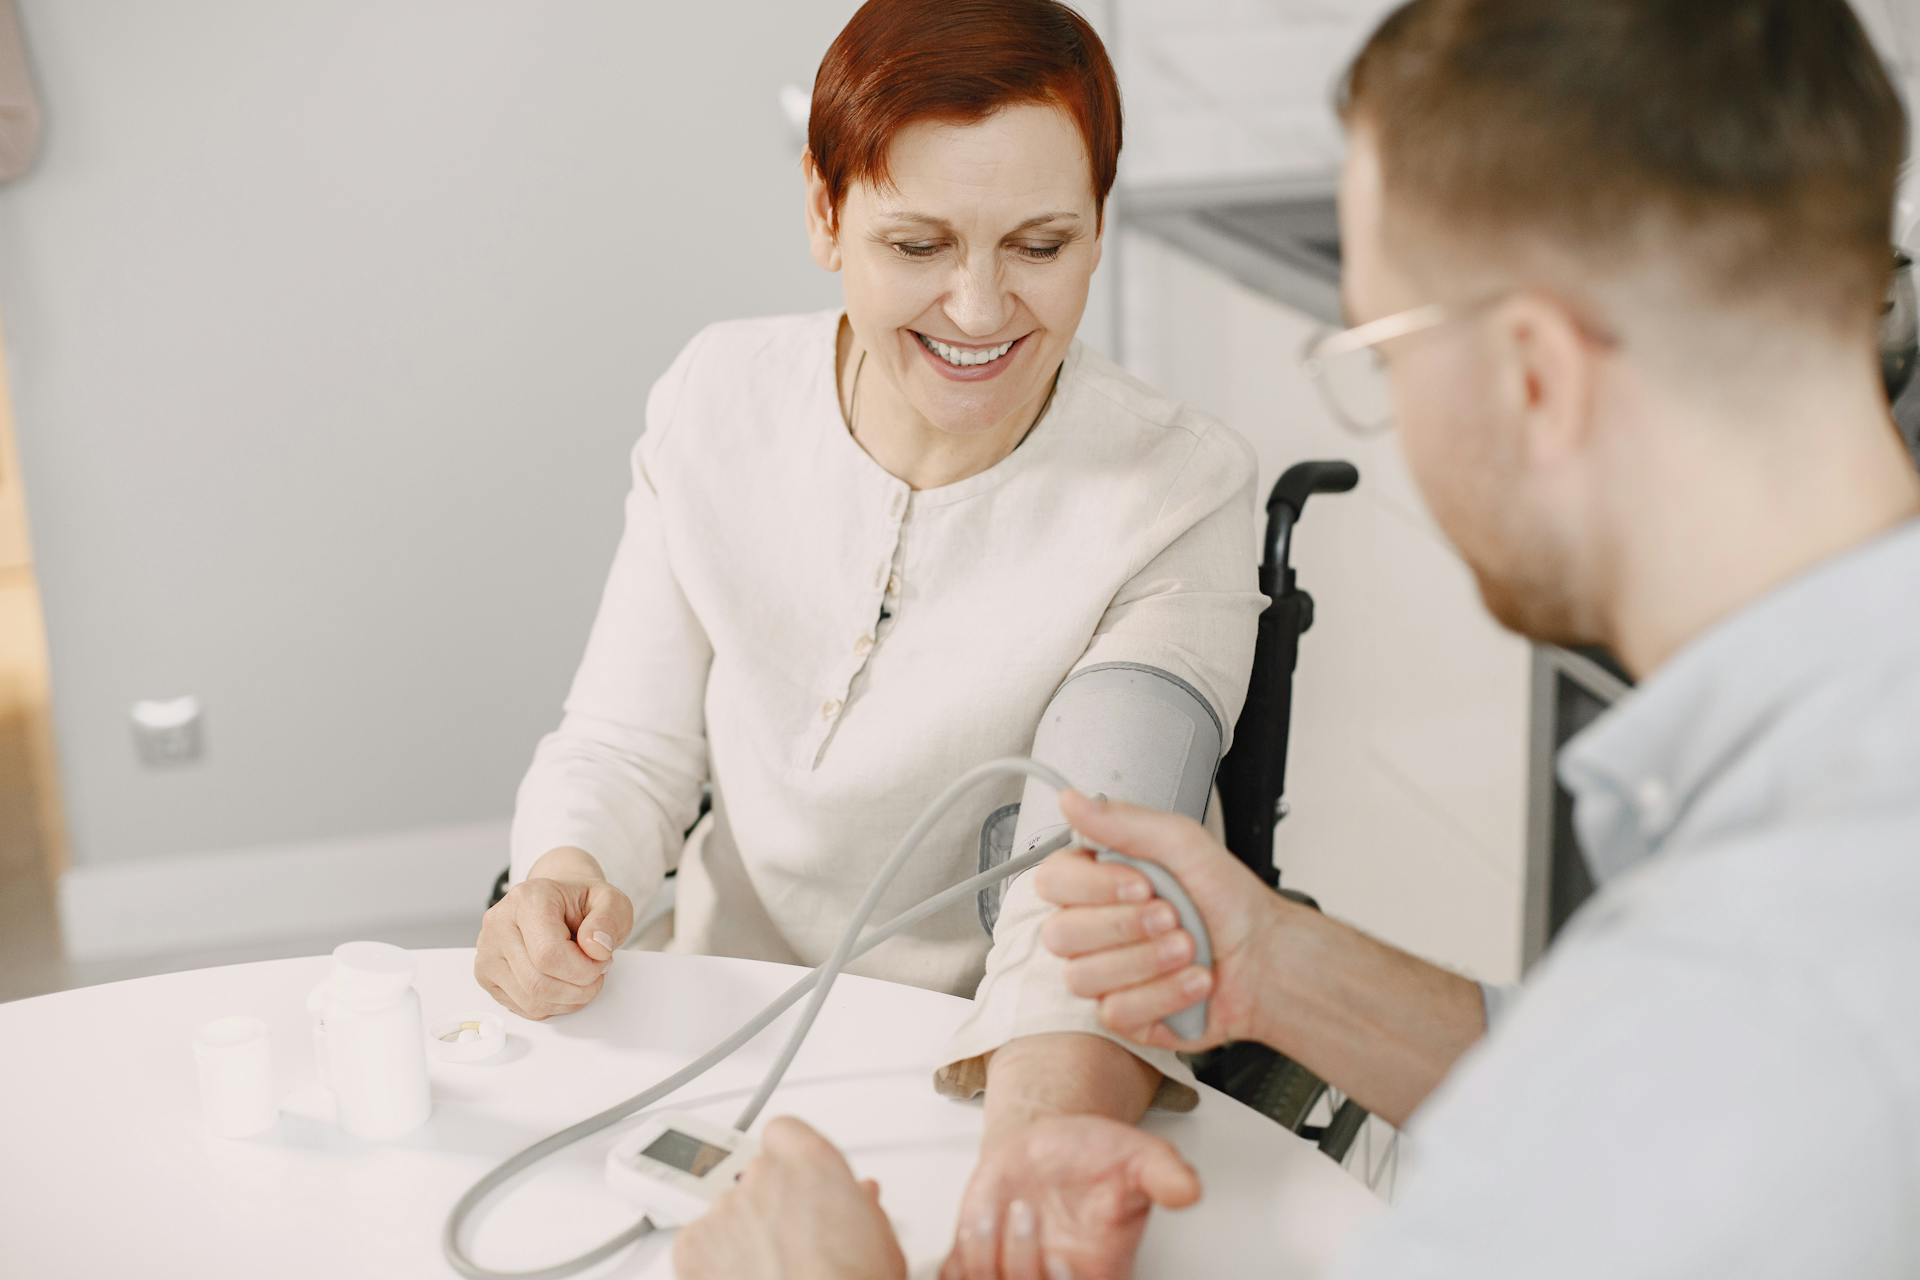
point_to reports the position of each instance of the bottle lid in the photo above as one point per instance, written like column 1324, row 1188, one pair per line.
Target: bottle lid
column 371, row 973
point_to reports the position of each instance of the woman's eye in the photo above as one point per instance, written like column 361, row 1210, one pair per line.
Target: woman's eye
column 1041, row 252
column 916, row 250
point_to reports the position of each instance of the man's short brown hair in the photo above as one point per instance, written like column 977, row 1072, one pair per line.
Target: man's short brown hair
column 1755, row 144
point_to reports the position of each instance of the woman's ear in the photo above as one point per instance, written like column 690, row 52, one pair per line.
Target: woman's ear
column 823, row 237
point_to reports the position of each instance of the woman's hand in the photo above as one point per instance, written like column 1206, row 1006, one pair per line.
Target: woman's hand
column 1065, row 1198
column 545, row 948
column 1127, row 950
column 795, row 1214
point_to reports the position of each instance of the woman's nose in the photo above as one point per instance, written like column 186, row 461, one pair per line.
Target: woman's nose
column 978, row 304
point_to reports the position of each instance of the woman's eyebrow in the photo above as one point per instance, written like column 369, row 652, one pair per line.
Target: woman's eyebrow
column 907, row 216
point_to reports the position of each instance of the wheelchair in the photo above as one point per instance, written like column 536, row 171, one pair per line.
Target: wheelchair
column 1252, row 786
column 1252, row 782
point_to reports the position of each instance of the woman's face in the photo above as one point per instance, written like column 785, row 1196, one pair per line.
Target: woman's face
column 966, row 278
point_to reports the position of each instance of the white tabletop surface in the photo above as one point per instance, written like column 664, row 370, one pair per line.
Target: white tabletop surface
column 106, row 1171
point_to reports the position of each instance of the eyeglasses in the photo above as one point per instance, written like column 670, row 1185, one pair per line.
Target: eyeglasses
column 1345, row 364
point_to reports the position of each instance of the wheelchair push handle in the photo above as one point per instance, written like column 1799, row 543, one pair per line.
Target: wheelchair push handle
column 1304, row 479
column 1284, row 506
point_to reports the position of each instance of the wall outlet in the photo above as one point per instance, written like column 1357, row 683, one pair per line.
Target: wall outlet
column 168, row 732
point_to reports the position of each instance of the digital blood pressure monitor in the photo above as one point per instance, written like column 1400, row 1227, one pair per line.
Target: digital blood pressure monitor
column 674, row 1166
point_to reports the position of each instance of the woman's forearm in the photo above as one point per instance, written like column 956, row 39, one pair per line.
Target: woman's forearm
column 1064, row 1073
column 1380, row 1025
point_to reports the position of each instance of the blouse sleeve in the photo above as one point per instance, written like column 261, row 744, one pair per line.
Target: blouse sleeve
column 622, row 775
column 1191, row 609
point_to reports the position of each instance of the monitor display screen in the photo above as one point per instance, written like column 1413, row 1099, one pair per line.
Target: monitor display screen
column 685, row 1153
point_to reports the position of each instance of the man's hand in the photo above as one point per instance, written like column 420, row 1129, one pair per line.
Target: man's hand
column 1076, row 1191
column 1127, row 950
column 795, row 1214
column 545, row 948
column 1381, row 1025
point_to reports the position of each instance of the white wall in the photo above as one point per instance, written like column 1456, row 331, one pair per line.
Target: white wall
column 330, row 324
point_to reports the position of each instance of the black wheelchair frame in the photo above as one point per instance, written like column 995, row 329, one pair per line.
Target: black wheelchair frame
column 1253, row 785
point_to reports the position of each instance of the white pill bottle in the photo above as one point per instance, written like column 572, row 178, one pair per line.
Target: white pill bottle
column 371, row 1042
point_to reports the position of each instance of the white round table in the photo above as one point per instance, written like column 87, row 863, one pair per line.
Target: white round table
column 106, row 1171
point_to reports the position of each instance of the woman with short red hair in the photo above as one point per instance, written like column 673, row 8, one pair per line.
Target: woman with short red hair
column 863, row 550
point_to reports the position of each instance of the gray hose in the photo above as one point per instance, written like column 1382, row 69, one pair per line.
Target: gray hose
column 830, row 971
column 820, row 982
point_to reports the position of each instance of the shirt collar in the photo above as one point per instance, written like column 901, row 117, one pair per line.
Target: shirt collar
column 1638, row 770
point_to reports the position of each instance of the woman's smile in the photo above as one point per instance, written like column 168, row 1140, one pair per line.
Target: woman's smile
column 964, row 363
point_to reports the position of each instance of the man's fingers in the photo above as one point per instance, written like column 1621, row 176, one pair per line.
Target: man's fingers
column 694, row 1255
column 1145, row 1005
column 1071, row 878
column 786, row 1138
column 1100, row 973
column 1178, row 843
column 1075, row 931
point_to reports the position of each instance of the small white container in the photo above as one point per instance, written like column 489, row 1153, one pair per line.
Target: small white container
column 371, row 1041
column 235, row 1064
column 473, row 1039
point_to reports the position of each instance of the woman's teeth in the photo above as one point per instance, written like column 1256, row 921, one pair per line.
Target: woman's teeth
column 964, row 357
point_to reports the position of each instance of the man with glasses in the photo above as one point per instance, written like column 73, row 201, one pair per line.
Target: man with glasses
column 1616, row 269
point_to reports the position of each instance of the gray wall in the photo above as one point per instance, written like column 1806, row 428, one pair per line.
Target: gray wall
column 331, row 322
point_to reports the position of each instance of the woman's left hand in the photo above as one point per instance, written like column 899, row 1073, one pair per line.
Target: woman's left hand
column 796, row 1214
column 1065, row 1198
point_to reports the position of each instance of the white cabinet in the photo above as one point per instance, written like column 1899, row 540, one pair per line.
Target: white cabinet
column 1407, row 775
column 1220, row 89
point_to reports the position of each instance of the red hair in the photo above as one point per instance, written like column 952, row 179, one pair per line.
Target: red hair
column 899, row 62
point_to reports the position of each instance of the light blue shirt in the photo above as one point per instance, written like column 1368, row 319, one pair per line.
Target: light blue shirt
column 1715, row 1071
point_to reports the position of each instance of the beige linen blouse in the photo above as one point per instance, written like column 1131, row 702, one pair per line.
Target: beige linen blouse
column 828, row 648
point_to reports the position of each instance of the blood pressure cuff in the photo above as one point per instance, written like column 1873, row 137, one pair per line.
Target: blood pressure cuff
column 1129, row 732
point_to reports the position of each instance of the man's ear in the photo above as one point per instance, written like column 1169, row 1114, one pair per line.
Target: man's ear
column 1544, row 371
column 823, row 239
